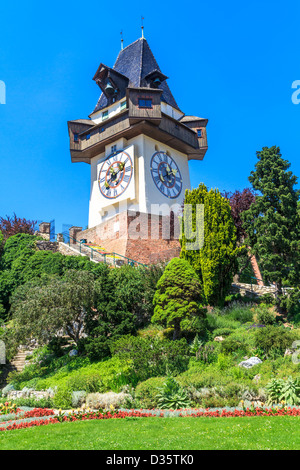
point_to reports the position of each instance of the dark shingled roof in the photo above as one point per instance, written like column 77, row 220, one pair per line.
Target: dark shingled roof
column 136, row 61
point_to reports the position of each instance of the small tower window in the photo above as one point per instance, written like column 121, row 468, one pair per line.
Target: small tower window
column 145, row 103
column 199, row 133
column 123, row 105
column 88, row 136
column 104, row 115
column 76, row 138
column 113, row 148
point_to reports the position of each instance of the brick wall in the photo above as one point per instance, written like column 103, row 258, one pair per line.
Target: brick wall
column 143, row 237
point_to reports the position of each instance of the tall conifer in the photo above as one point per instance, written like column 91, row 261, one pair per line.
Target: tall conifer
column 272, row 221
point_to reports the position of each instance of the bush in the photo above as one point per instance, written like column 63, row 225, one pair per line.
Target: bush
column 223, row 362
column 78, row 398
column 274, row 339
column 152, row 357
column 217, row 319
column 264, row 316
column 89, row 383
column 231, row 345
column 222, row 332
column 279, row 390
column 291, row 303
column 239, row 311
column 34, row 402
column 177, row 297
column 171, row 396
column 146, row 392
column 108, row 400
column 63, row 398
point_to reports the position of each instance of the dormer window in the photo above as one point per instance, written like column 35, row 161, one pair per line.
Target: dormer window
column 155, row 78
column 123, row 105
column 104, row 115
column 145, row 103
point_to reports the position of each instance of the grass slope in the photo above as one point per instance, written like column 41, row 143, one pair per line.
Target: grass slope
column 253, row 433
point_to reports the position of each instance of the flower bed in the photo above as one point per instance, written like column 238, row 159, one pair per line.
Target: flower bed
column 41, row 416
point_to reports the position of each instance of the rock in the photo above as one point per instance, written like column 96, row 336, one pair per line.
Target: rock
column 256, row 378
column 219, row 338
column 74, row 352
column 253, row 361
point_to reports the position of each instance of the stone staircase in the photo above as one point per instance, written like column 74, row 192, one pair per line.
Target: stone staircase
column 93, row 255
column 18, row 362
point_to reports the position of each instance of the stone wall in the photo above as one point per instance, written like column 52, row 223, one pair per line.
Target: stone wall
column 255, row 290
column 45, row 245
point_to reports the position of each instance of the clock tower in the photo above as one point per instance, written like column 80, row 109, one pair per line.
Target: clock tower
column 138, row 143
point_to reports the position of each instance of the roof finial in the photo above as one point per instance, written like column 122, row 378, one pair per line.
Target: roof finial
column 143, row 27
column 122, row 40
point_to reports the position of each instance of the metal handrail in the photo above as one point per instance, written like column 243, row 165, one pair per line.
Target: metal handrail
column 113, row 254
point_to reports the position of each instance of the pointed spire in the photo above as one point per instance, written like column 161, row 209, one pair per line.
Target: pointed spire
column 122, row 41
column 143, row 28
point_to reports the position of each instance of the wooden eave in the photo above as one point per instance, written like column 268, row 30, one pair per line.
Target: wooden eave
column 125, row 128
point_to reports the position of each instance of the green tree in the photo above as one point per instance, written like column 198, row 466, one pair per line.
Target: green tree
column 272, row 221
column 119, row 303
column 178, row 296
column 216, row 261
column 63, row 305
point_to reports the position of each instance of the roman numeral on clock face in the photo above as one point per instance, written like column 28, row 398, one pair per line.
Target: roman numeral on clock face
column 115, row 175
column 166, row 175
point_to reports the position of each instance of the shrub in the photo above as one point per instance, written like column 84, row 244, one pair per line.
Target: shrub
column 89, row 383
column 291, row 303
column 107, row 400
column 264, row 316
column 283, row 390
column 222, row 332
column 78, row 398
column 208, row 353
column 231, row 345
column 239, row 311
column 152, row 357
column 177, row 297
column 35, row 402
column 223, row 362
column 217, row 320
column 272, row 338
column 172, row 396
column 8, row 388
column 146, row 392
column 63, row 398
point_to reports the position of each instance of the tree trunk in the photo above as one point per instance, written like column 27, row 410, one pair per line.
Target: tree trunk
column 278, row 293
column 176, row 333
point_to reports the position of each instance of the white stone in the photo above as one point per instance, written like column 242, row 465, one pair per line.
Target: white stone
column 253, row 361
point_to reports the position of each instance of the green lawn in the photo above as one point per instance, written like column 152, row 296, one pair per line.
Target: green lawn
column 280, row 432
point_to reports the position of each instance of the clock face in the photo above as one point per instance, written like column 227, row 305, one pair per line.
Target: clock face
column 115, row 175
column 166, row 175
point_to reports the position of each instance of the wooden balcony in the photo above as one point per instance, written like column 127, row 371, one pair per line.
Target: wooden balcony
column 88, row 139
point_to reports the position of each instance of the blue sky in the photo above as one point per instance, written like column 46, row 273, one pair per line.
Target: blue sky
column 231, row 62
